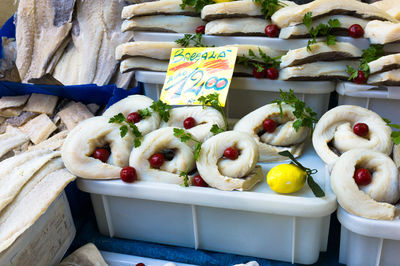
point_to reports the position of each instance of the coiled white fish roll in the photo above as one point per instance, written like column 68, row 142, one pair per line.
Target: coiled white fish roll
column 335, row 129
column 226, row 174
column 370, row 201
column 283, row 138
column 156, row 142
column 204, row 117
column 90, row 134
column 132, row 104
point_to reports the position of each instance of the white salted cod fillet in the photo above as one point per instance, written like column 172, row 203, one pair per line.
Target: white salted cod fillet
column 11, row 139
column 162, row 7
column 17, row 170
column 318, row 71
column 42, row 32
column 155, row 142
column 301, row 31
column 30, row 204
column 225, row 174
column 389, row 78
column 375, row 200
column 237, row 26
column 396, row 155
column 320, row 52
column 90, row 134
column 205, row 118
column 161, row 23
column 155, row 50
column 292, row 15
column 384, row 63
column 132, row 104
column 87, row 255
column 96, row 32
column 143, row 63
column 284, row 138
column 335, row 129
column 392, row 7
column 382, row 32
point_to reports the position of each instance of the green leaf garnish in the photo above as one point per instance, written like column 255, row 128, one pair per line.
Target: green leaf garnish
column 395, row 134
column 254, row 60
column 144, row 112
column 372, row 53
column 119, row 118
column 307, row 19
column 162, row 109
column 192, row 40
column 213, row 101
column 196, row 4
column 215, row 129
column 316, row 189
column 269, row 7
column 124, row 128
column 306, row 117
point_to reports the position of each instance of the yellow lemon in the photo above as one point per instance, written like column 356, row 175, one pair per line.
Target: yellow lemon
column 222, row 1
column 286, row 178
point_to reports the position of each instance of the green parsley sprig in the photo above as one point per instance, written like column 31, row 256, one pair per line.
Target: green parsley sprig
column 185, row 137
column 159, row 107
column 321, row 30
column 316, row 189
column 196, row 4
column 395, row 134
column 192, row 40
column 269, row 7
column 253, row 60
column 125, row 126
column 213, row 101
column 215, row 129
column 306, row 117
column 372, row 53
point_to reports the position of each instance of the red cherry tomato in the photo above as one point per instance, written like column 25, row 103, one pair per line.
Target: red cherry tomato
column 362, row 177
column 361, row 129
column 128, row 174
column 231, row 153
column 101, row 154
column 156, row 160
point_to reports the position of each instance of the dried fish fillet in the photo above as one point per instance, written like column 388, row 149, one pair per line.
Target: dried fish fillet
column 320, row 52
column 41, row 103
column 235, row 9
column 39, row 128
column 392, row 7
column 8, row 69
column 87, row 255
column 11, row 139
column 17, row 170
column 389, row 78
column 10, row 112
column 237, row 26
column 42, row 29
column 32, row 204
column 20, row 120
column 13, row 101
column 143, row 63
column 385, row 63
column 292, row 15
column 160, row 23
column 163, row 7
column 155, row 50
column 53, row 143
column 73, row 114
column 122, row 80
column 382, row 32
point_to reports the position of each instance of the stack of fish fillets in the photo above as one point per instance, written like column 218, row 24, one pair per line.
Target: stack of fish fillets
column 385, row 71
column 161, row 16
column 154, row 56
column 290, row 19
column 240, row 18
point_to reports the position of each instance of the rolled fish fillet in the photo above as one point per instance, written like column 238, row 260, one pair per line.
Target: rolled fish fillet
column 389, row 78
column 163, row 7
column 320, row 52
column 334, row 134
column 158, row 141
column 292, row 15
column 301, row 31
column 382, row 32
column 284, row 138
column 237, row 26
column 155, row 50
column 385, row 63
column 373, row 201
column 318, row 71
column 132, row 104
column 160, row 23
column 226, row 174
column 95, row 133
column 205, row 118
column 396, row 155
column 392, row 7
column 143, row 63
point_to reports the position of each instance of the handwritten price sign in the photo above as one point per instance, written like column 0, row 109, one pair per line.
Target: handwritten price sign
column 196, row 72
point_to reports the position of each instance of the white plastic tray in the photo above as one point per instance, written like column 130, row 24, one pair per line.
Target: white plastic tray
column 116, row 259
column 258, row 223
column 384, row 100
column 247, row 94
column 368, row 242
column 46, row 241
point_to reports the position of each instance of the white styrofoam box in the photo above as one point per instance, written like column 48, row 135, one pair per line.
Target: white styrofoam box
column 259, row 223
column 275, row 43
column 247, row 94
column 384, row 100
column 368, row 242
column 47, row 240
column 116, row 259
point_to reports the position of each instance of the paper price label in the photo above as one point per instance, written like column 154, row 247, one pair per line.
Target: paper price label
column 196, row 72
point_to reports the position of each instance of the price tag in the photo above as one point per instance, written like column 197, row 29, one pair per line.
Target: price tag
column 196, row 72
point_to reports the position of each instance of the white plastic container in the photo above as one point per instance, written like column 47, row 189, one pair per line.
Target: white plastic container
column 46, row 241
column 116, row 259
column 368, row 242
column 258, row 223
column 384, row 100
column 247, row 94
